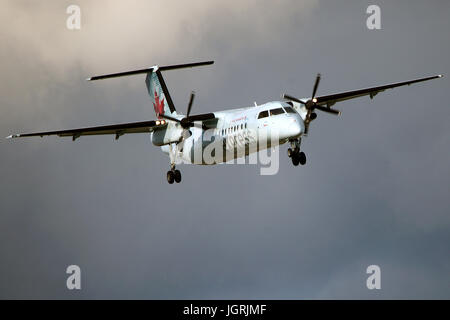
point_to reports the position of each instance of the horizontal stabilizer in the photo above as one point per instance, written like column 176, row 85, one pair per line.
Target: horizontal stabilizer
column 151, row 69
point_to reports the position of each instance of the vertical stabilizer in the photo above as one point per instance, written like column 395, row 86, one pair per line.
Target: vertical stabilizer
column 159, row 95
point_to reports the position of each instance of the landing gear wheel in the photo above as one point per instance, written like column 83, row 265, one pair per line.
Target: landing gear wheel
column 301, row 158
column 177, row 176
column 170, row 177
column 295, row 159
column 290, row 152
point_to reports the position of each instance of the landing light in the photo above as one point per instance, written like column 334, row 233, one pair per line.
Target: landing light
column 314, row 100
column 158, row 122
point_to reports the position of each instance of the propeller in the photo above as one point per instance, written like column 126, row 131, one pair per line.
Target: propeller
column 311, row 105
column 191, row 101
column 185, row 122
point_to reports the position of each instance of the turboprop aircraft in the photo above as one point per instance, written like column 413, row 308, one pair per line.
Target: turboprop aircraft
column 236, row 130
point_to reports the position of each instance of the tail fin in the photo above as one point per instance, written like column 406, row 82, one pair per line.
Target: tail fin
column 159, row 95
column 157, row 89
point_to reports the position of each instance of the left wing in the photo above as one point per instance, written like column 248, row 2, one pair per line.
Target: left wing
column 117, row 129
column 331, row 99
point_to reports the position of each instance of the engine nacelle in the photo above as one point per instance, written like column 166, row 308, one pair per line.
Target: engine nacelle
column 167, row 135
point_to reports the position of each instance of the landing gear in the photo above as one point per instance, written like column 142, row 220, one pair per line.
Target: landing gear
column 170, row 177
column 177, row 175
column 297, row 156
column 290, row 152
column 301, row 158
column 173, row 176
column 295, row 160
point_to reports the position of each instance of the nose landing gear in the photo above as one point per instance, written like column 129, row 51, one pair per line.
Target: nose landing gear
column 297, row 156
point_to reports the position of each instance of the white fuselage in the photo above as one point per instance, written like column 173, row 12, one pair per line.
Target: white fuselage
column 261, row 126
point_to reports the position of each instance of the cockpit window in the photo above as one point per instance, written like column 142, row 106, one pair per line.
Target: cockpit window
column 289, row 110
column 263, row 114
column 277, row 111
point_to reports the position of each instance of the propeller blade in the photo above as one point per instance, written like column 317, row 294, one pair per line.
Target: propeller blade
column 316, row 85
column 191, row 100
column 328, row 110
column 170, row 118
column 307, row 120
column 288, row 97
column 306, row 128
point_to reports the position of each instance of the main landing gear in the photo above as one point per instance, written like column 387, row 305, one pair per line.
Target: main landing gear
column 173, row 175
column 297, row 156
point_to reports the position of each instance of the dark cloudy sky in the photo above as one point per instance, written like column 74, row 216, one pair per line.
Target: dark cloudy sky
column 375, row 190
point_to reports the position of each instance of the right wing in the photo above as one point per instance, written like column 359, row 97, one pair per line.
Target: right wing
column 117, row 129
column 331, row 99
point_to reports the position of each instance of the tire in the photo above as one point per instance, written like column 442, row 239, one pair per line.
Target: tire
column 170, row 177
column 290, row 152
column 295, row 159
column 302, row 158
column 177, row 176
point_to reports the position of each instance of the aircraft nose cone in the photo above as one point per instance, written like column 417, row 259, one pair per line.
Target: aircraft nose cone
column 294, row 129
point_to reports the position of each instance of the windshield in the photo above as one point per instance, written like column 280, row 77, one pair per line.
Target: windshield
column 276, row 111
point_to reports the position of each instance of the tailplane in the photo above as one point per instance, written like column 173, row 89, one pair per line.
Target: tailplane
column 156, row 87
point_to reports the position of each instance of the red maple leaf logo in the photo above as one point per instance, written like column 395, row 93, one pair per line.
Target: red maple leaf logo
column 159, row 106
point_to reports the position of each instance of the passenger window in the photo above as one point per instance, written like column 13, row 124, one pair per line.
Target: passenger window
column 277, row 111
column 242, row 126
column 263, row 114
column 290, row 110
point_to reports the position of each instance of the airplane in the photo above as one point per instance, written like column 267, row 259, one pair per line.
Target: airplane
column 180, row 136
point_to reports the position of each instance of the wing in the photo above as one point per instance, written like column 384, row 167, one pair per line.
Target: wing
column 331, row 99
column 117, row 129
